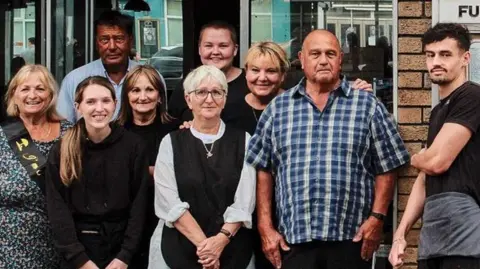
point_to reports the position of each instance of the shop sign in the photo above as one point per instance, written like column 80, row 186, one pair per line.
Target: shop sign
column 465, row 11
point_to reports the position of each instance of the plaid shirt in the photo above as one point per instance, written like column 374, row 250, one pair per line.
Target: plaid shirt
column 325, row 162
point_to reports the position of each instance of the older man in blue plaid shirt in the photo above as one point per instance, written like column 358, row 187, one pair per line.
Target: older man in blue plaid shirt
column 332, row 151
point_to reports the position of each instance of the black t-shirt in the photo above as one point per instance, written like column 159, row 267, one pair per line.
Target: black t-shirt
column 460, row 107
column 234, row 113
column 249, row 118
column 153, row 134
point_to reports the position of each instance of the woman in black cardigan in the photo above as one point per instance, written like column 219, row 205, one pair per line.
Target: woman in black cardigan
column 143, row 111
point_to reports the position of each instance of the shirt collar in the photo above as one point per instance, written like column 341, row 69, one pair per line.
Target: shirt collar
column 131, row 64
column 344, row 87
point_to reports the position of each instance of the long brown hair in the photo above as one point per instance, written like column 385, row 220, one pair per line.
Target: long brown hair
column 126, row 114
column 71, row 147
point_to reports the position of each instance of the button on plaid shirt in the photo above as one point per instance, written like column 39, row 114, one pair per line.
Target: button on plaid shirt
column 325, row 162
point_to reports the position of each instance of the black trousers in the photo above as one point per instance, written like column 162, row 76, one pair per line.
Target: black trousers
column 325, row 255
column 450, row 262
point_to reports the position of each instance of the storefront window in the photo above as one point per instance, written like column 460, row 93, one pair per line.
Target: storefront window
column 159, row 38
column 364, row 29
column 20, row 39
column 261, row 15
column 23, row 30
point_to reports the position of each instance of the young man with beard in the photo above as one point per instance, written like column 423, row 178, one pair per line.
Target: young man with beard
column 330, row 152
column 447, row 189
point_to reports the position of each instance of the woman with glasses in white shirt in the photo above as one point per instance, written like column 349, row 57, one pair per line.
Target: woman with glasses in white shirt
column 204, row 191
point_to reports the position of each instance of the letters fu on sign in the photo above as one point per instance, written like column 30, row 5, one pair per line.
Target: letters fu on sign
column 471, row 11
column 464, row 11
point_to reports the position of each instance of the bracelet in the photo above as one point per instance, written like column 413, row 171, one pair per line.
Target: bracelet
column 227, row 233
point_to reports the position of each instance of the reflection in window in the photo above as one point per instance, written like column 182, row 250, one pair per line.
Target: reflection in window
column 18, row 38
column 175, row 34
column 265, row 32
column 261, row 15
column 20, row 32
column 23, row 29
column 174, row 22
column 364, row 29
column 68, row 37
column 166, row 53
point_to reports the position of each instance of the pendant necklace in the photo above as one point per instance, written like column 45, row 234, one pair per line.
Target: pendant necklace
column 209, row 152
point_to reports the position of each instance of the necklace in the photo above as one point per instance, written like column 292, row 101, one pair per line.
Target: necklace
column 209, row 152
column 44, row 134
column 254, row 114
column 48, row 132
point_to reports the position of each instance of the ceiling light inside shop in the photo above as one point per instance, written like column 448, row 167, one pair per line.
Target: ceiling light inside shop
column 14, row 4
column 137, row 5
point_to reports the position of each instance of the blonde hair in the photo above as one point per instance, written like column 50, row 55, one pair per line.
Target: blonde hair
column 269, row 49
column 48, row 82
column 196, row 77
column 71, row 147
column 126, row 115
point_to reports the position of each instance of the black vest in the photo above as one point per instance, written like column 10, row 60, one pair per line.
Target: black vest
column 208, row 186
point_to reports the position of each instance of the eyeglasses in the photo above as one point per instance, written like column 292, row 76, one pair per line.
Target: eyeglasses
column 203, row 93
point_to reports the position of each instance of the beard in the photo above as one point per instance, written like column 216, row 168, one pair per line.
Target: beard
column 440, row 80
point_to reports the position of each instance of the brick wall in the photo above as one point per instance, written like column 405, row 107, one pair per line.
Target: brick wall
column 414, row 100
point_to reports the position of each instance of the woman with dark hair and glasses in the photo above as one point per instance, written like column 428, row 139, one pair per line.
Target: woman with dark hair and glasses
column 204, row 191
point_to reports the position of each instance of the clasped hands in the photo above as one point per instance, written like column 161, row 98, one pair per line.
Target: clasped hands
column 210, row 250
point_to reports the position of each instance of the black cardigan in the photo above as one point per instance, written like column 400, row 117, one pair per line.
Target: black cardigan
column 114, row 179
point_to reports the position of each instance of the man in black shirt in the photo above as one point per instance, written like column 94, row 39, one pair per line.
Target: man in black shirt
column 447, row 189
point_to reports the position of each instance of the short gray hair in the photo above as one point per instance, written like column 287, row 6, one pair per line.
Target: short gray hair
column 195, row 77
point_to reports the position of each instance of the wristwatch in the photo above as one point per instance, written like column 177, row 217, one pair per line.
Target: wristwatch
column 227, row 233
column 378, row 216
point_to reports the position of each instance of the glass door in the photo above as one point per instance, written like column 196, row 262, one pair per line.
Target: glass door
column 21, row 42
column 69, row 36
column 21, row 37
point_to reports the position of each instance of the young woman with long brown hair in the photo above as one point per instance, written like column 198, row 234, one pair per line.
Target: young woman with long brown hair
column 96, row 182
